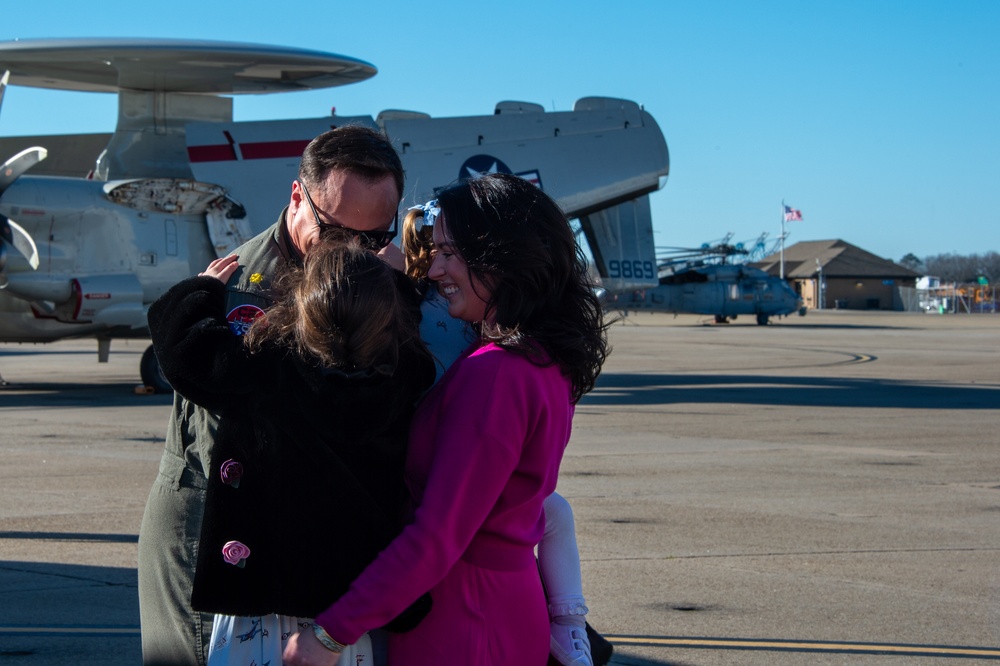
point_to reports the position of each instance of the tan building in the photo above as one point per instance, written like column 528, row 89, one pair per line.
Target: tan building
column 831, row 274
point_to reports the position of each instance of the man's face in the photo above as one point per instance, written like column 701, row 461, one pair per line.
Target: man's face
column 345, row 200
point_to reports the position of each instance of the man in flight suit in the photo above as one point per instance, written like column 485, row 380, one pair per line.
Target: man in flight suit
column 349, row 177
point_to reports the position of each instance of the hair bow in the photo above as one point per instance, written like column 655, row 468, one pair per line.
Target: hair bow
column 431, row 211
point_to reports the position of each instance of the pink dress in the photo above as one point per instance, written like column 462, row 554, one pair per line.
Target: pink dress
column 485, row 448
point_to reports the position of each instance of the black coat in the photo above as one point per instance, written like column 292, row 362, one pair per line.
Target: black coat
column 322, row 452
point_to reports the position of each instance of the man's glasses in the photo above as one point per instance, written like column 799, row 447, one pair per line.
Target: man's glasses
column 373, row 240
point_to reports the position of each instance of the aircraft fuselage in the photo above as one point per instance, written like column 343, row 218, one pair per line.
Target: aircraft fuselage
column 100, row 263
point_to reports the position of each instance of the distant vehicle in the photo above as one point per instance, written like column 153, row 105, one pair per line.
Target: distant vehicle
column 179, row 183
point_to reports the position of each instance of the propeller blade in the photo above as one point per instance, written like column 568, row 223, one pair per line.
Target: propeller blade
column 17, row 165
column 3, row 84
column 15, row 236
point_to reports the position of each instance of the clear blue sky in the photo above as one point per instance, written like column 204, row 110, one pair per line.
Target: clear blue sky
column 878, row 119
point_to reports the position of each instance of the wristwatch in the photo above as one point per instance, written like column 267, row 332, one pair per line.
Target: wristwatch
column 327, row 640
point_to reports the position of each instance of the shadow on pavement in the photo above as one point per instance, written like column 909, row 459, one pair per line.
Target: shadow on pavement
column 67, row 613
column 71, row 536
column 662, row 389
column 56, row 394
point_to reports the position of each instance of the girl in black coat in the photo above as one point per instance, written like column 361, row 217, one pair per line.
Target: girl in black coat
column 306, row 482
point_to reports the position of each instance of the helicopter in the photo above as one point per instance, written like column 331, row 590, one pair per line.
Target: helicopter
column 714, row 279
column 105, row 223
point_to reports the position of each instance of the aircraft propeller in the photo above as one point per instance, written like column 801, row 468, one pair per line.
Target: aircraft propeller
column 17, row 165
column 11, row 233
column 3, row 84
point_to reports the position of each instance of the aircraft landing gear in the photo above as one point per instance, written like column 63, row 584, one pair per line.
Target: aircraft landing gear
column 721, row 319
column 762, row 319
column 149, row 370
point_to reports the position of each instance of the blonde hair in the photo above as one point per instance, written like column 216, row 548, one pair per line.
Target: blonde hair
column 417, row 245
column 341, row 309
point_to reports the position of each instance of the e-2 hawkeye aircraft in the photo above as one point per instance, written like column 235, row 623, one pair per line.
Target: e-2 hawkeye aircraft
column 106, row 223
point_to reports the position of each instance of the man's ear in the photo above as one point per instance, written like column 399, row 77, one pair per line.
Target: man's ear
column 296, row 198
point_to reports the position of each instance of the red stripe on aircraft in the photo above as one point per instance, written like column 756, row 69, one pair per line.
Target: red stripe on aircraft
column 220, row 153
column 265, row 150
column 262, row 150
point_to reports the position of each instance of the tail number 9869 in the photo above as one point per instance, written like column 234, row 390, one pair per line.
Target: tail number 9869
column 644, row 270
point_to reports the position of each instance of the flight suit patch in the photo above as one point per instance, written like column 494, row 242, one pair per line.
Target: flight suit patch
column 242, row 316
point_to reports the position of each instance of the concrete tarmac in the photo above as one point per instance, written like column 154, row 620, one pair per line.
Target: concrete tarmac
column 822, row 490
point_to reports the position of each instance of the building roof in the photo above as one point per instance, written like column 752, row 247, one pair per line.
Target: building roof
column 838, row 258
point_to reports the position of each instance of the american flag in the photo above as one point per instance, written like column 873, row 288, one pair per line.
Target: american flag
column 792, row 214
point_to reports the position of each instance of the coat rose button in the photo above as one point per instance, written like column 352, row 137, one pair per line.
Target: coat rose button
column 235, row 553
column 231, row 472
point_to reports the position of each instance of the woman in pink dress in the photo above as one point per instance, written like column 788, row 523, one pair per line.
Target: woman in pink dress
column 486, row 443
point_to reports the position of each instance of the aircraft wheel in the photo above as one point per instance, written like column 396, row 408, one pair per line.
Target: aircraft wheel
column 762, row 319
column 721, row 319
column 149, row 370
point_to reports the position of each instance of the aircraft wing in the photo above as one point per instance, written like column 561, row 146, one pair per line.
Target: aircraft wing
column 602, row 153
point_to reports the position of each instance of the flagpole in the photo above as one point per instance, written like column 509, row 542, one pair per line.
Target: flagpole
column 782, row 269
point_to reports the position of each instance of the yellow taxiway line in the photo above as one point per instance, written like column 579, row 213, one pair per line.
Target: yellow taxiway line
column 832, row 647
column 806, row 646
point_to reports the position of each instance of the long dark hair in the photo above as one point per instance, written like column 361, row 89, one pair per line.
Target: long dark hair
column 341, row 309
column 517, row 241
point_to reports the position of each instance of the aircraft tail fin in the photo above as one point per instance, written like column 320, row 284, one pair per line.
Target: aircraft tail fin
column 621, row 242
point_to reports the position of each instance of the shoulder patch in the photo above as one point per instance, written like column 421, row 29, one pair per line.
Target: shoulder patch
column 242, row 316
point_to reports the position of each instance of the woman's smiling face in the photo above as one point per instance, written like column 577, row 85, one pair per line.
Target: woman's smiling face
column 466, row 294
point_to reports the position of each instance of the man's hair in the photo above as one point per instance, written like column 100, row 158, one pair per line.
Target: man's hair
column 355, row 149
column 518, row 242
column 341, row 309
